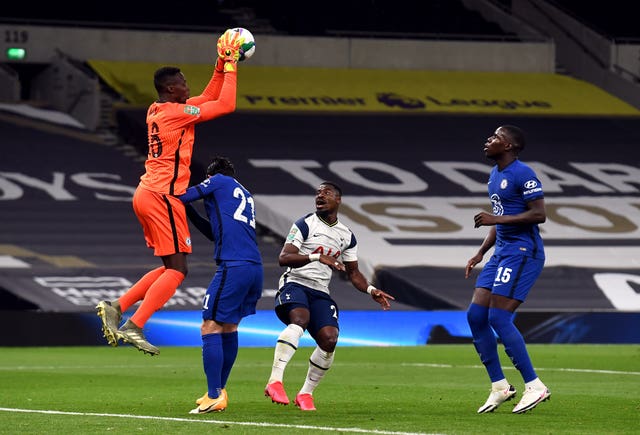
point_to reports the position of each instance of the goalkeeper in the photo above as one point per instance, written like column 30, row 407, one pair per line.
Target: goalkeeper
column 171, row 124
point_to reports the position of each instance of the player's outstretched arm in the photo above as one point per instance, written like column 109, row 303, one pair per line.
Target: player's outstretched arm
column 360, row 282
column 202, row 224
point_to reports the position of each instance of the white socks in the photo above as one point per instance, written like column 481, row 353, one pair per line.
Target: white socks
column 536, row 384
column 285, row 348
column 500, row 385
column 319, row 363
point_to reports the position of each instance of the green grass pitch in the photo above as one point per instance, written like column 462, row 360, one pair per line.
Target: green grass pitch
column 379, row 390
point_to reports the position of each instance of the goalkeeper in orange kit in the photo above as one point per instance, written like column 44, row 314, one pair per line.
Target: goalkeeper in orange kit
column 171, row 124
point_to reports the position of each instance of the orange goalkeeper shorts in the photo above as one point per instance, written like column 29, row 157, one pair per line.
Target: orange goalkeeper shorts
column 164, row 222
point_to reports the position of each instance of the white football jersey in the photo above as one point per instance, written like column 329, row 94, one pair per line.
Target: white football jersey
column 313, row 235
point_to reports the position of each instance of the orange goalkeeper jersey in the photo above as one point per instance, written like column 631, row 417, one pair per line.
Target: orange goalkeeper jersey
column 171, row 128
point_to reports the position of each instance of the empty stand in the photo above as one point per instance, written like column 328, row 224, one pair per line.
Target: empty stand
column 425, row 270
column 403, row 19
column 69, row 234
column 370, row 18
column 70, row 237
column 89, row 232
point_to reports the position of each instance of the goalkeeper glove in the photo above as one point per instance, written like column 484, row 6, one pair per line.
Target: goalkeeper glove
column 229, row 46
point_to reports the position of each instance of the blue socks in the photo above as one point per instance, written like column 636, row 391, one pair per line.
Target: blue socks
column 229, row 354
column 212, row 361
column 219, row 352
column 485, row 340
column 514, row 345
column 483, row 321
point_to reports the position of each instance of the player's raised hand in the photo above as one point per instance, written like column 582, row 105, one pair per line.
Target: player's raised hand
column 228, row 46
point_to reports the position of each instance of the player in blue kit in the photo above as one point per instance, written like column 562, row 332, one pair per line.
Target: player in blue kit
column 505, row 281
column 237, row 284
column 316, row 245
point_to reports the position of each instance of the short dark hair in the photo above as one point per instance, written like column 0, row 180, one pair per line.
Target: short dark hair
column 163, row 76
column 334, row 186
column 516, row 135
column 221, row 165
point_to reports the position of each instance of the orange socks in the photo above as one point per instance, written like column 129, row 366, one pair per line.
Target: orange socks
column 138, row 290
column 157, row 295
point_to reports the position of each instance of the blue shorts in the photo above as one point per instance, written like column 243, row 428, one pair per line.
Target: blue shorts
column 324, row 310
column 233, row 292
column 511, row 276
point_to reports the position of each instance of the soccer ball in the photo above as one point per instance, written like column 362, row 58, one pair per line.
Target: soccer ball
column 247, row 42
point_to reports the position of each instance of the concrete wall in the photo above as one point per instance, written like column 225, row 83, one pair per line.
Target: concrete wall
column 42, row 43
column 10, row 89
column 626, row 60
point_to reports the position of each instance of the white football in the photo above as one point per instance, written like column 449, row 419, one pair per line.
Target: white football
column 247, row 42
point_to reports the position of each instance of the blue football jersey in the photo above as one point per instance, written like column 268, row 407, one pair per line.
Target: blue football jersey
column 231, row 212
column 509, row 191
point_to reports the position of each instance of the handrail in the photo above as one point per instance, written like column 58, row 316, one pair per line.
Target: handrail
column 625, row 72
column 570, row 36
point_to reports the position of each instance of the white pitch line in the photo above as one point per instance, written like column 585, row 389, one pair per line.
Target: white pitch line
column 432, row 365
column 225, row 422
column 301, row 364
column 80, row 367
column 560, row 369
